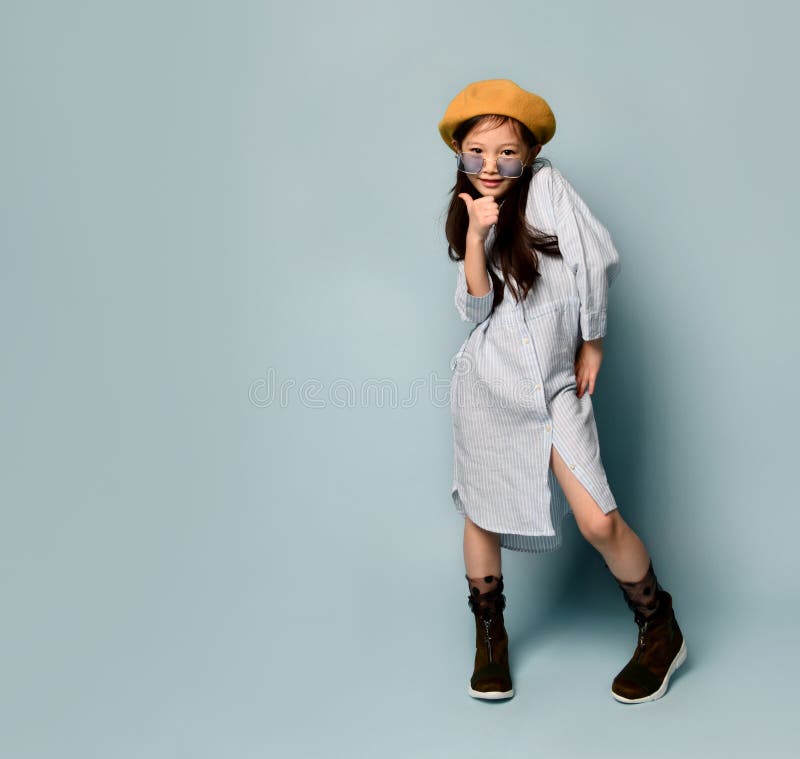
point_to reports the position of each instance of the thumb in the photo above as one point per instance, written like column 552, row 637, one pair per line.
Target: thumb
column 467, row 198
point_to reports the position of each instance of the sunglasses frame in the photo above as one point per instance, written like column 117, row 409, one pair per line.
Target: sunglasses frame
column 459, row 163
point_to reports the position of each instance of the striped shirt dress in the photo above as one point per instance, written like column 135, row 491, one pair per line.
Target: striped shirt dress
column 513, row 385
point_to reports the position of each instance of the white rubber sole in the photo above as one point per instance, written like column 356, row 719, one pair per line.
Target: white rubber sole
column 491, row 695
column 679, row 659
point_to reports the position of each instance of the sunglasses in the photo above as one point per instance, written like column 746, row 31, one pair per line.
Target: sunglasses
column 508, row 166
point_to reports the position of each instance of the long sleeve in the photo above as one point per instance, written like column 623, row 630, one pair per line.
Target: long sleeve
column 588, row 250
column 472, row 308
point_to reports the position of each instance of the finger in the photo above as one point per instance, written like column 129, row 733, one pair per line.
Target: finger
column 487, row 204
column 467, row 198
column 591, row 386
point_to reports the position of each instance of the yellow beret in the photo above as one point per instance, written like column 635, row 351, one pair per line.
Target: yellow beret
column 504, row 97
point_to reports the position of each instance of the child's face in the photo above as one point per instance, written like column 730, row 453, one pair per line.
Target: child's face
column 490, row 143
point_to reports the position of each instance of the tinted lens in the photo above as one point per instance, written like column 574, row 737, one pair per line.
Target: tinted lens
column 471, row 163
column 509, row 166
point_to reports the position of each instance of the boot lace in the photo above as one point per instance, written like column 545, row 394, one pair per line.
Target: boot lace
column 487, row 606
column 643, row 624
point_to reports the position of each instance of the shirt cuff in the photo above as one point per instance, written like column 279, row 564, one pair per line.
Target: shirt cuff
column 477, row 307
column 593, row 325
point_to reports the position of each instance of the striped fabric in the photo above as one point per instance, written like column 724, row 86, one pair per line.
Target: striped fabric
column 513, row 388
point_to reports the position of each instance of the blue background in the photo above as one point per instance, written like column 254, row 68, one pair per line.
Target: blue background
column 198, row 196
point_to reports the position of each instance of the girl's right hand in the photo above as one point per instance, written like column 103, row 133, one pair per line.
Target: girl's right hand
column 483, row 214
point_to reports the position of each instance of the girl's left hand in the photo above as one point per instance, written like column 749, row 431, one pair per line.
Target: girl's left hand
column 587, row 365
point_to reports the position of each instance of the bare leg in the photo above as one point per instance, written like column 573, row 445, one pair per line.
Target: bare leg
column 660, row 649
column 621, row 548
column 491, row 676
column 481, row 550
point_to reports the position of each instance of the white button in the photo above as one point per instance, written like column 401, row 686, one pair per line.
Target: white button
column 572, row 466
column 548, row 428
column 526, row 341
column 537, row 387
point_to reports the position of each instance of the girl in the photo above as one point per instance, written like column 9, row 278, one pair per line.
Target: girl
column 534, row 266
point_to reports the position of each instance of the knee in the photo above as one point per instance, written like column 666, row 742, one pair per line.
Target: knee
column 602, row 529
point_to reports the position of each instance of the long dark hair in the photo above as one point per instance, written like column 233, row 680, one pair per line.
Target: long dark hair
column 516, row 242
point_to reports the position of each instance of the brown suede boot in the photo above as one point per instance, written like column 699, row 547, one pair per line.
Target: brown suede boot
column 491, row 677
column 660, row 649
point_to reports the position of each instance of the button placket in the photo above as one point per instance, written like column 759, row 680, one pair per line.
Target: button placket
column 526, row 340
